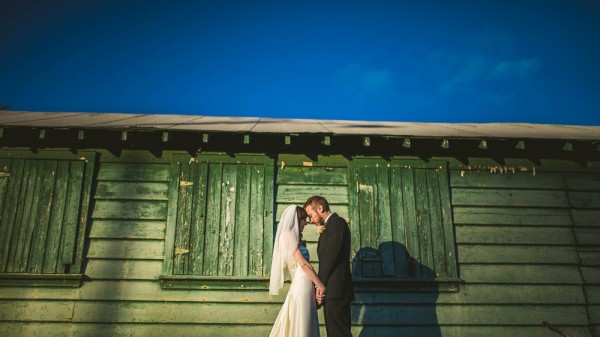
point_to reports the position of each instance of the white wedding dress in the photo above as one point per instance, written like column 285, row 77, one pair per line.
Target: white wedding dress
column 298, row 315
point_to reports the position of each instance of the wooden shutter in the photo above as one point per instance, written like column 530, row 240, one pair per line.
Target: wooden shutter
column 404, row 226
column 224, row 216
column 43, row 213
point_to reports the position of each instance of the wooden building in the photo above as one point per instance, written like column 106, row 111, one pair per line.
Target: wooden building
column 162, row 225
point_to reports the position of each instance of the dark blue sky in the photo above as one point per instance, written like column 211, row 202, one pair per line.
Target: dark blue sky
column 430, row 61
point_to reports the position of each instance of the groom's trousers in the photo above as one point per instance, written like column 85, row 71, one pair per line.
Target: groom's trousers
column 337, row 317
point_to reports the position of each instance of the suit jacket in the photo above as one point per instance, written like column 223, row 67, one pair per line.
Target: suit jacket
column 334, row 258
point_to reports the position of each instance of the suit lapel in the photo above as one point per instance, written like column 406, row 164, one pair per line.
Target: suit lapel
column 324, row 233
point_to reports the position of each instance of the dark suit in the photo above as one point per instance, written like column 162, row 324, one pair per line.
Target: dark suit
column 334, row 270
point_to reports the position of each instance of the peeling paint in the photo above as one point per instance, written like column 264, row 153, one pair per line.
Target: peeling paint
column 502, row 169
column 184, row 183
column 179, row 251
column 364, row 187
column 228, row 212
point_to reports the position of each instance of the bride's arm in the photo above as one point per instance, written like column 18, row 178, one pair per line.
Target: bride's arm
column 308, row 269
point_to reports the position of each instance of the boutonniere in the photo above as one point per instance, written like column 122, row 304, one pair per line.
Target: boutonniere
column 319, row 229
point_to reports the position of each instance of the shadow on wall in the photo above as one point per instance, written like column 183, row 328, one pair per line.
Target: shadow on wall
column 395, row 293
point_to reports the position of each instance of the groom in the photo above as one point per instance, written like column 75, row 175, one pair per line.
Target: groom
column 334, row 265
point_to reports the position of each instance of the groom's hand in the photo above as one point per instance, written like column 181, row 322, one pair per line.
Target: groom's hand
column 320, row 295
column 317, row 298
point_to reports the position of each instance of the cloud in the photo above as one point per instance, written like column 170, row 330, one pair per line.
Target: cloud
column 514, row 69
column 464, row 71
column 485, row 58
column 359, row 80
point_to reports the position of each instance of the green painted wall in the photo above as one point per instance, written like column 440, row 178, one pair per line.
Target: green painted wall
column 528, row 251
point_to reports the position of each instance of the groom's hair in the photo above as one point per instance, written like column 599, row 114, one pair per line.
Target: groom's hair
column 317, row 200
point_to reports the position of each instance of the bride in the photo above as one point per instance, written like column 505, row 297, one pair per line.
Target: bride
column 298, row 315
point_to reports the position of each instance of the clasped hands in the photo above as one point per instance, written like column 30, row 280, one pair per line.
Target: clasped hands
column 320, row 295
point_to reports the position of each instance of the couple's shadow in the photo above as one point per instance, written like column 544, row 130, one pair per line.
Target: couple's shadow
column 395, row 294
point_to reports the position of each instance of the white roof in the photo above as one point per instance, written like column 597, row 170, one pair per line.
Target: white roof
column 121, row 121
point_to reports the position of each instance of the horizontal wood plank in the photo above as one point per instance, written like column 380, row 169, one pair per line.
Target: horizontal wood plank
column 586, row 217
column 511, row 216
column 134, row 210
column 588, row 236
column 291, row 175
column 591, row 274
column 133, row 172
column 142, row 290
column 517, row 180
column 583, row 182
column 126, row 190
column 312, row 250
column 134, row 329
column 585, row 200
column 124, row 269
column 126, row 249
column 590, row 258
column 517, row 254
column 341, row 210
column 512, row 198
column 471, row 314
column 150, row 312
column 473, row 293
column 251, row 330
column 594, row 314
column 298, row 194
column 233, row 313
column 534, row 330
column 558, row 294
column 149, row 291
column 127, row 229
column 302, row 160
column 593, row 294
column 310, row 233
column 50, row 311
column 524, row 274
column 515, row 235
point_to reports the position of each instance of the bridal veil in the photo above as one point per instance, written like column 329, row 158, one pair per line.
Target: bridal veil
column 286, row 242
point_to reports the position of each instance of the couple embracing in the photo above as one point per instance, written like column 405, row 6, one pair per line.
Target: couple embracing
column 331, row 287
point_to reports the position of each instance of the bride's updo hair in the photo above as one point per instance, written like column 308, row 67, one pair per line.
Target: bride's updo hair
column 301, row 213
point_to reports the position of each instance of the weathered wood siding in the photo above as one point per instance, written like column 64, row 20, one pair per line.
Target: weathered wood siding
column 527, row 251
column 522, row 253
